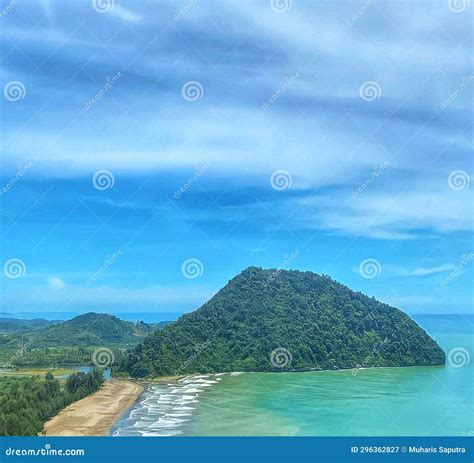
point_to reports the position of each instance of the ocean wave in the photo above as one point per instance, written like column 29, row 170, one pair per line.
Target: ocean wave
column 164, row 408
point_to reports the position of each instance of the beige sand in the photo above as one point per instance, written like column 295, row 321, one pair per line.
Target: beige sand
column 95, row 414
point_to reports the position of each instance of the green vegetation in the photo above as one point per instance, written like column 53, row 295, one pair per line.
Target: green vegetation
column 71, row 342
column 16, row 325
column 91, row 329
column 322, row 324
column 27, row 403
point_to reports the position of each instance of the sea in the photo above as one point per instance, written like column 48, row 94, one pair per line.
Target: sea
column 411, row 401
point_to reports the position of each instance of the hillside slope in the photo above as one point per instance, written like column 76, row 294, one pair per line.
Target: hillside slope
column 16, row 325
column 270, row 320
column 91, row 329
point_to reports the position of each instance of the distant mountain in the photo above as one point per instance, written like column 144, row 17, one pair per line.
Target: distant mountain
column 91, row 329
column 274, row 320
column 15, row 325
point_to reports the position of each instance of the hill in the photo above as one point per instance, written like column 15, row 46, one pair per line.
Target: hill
column 273, row 320
column 91, row 329
column 15, row 325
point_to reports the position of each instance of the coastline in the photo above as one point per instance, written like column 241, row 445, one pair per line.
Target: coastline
column 95, row 414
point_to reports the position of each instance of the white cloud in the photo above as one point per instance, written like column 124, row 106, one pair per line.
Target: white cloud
column 56, row 284
column 398, row 215
column 125, row 14
column 422, row 271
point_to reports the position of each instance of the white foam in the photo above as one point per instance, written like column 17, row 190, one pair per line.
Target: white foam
column 164, row 409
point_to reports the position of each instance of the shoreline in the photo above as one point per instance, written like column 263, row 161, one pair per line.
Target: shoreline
column 165, row 378
column 95, row 414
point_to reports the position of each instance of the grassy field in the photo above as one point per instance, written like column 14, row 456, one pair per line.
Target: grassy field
column 37, row 372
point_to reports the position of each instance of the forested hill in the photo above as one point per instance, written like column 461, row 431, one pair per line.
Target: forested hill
column 15, row 325
column 91, row 329
column 271, row 320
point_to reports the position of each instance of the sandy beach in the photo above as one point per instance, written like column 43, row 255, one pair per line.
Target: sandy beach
column 95, row 414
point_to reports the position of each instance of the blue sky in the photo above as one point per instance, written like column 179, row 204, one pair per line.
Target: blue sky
column 336, row 139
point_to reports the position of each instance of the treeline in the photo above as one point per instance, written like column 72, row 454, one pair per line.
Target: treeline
column 24, row 356
column 27, row 403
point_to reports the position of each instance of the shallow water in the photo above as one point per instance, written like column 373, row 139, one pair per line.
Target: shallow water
column 379, row 401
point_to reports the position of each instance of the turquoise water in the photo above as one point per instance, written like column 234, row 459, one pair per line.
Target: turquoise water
column 380, row 401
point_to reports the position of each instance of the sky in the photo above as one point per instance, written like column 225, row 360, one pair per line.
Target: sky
column 152, row 150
